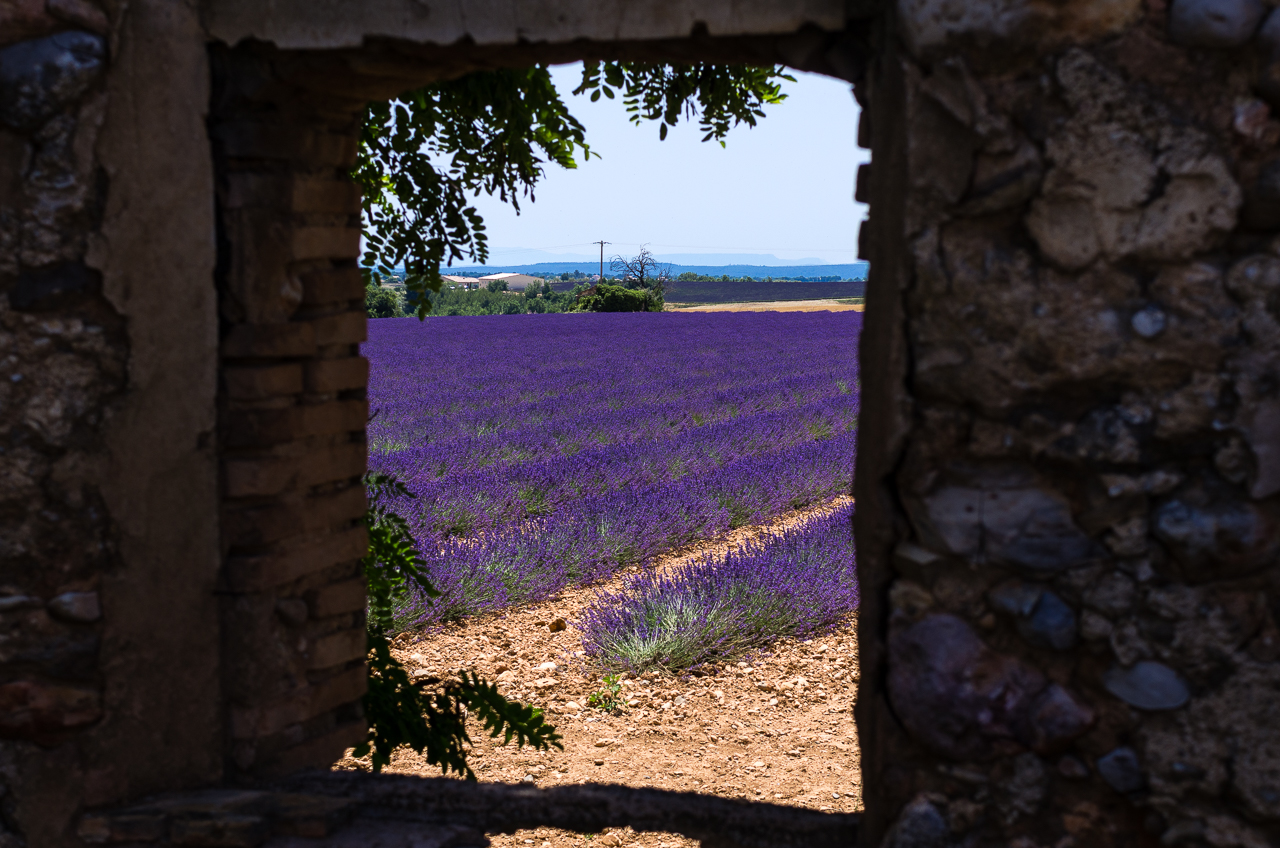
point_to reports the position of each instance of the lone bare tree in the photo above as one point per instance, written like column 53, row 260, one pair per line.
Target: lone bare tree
column 642, row 271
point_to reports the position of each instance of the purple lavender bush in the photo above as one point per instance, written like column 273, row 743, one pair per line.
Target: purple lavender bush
column 547, row 450
column 792, row 584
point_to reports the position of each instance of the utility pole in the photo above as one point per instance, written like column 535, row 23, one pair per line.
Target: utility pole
column 602, row 243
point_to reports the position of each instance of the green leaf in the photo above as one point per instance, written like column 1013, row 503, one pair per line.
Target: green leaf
column 425, row 153
column 427, row 716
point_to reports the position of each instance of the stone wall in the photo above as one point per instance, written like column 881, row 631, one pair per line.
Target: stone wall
column 301, row 25
column 1069, row 503
column 1068, row 521
column 64, row 353
column 108, row 552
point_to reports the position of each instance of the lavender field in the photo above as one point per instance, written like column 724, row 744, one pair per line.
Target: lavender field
column 548, row 450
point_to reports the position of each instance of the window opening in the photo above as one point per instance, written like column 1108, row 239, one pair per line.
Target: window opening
column 636, row 521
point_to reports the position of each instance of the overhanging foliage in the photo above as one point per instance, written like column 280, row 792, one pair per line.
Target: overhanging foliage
column 422, row 155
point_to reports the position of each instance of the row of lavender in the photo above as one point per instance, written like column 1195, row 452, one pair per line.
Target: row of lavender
column 548, row 450
column 461, row 501
column 792, row 584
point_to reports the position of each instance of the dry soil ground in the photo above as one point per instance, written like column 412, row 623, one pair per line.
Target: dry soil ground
column 775, row 726
column 774, row 306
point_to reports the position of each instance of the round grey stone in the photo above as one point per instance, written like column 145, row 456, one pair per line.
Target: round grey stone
column 1148, row 685
column 1222, row 538
column 1051, row 625
column 76, row 606
column 1149, row 322
column 41, row 77
column 1214, row 23
column 1121, row 770
column 1015, row 597
column 920, row 825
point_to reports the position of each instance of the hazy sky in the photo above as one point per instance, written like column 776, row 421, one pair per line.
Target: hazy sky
column 785, row 187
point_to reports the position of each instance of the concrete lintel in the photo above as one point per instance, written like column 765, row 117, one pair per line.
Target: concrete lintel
column 329, row 24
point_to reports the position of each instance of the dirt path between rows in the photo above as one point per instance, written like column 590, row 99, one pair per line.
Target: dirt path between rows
column 778, row 727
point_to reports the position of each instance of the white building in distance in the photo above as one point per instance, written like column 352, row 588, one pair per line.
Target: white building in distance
column 513, row 281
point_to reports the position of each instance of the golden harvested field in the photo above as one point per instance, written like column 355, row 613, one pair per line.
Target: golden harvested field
column 774, row 306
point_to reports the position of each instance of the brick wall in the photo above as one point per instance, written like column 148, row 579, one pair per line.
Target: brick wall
column 292, row 414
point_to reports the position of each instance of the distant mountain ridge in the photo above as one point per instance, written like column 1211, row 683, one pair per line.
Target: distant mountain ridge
column 736, row 259
column 519, row 256
column 850, row 271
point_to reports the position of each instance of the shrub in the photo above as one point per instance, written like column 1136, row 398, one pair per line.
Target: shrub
column 607, row 298
column 381, row 302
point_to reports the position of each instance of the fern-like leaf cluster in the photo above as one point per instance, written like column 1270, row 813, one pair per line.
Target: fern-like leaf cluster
column 428, row 715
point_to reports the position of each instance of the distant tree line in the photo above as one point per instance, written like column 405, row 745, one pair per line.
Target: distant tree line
column 394, row 301
column 640, row 289
column 608, row 295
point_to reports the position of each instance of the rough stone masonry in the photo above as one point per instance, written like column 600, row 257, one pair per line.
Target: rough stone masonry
column 1070, row 536
column 1068, row 482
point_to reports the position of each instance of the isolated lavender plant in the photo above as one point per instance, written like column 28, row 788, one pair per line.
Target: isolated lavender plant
column 792, row 584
